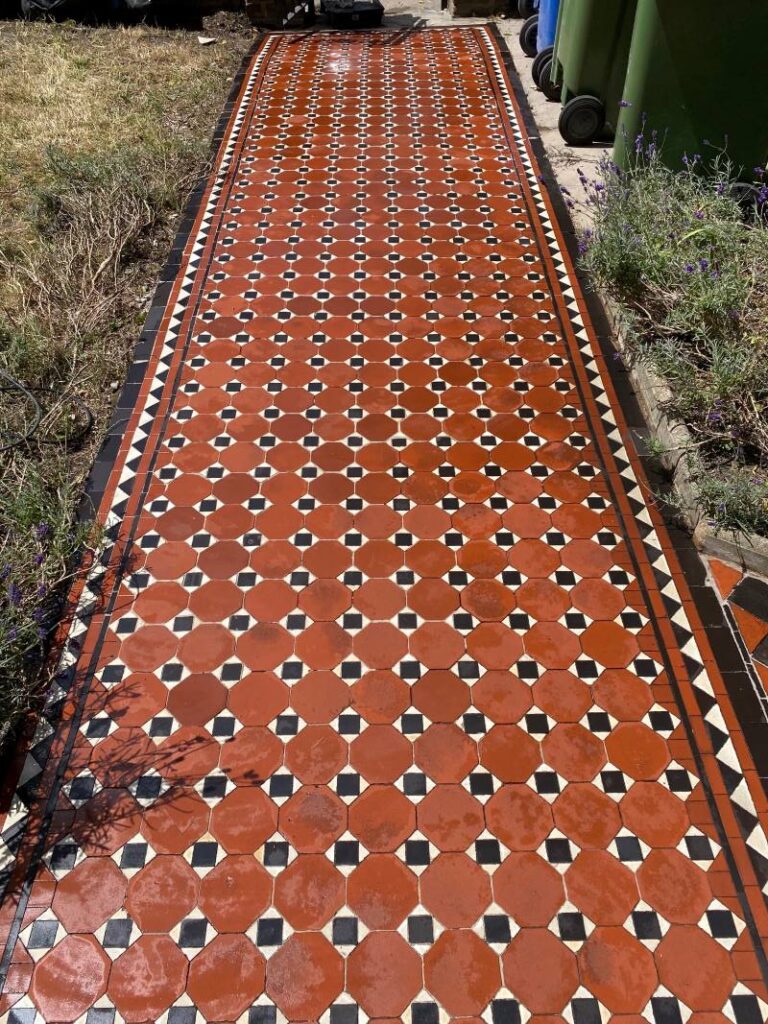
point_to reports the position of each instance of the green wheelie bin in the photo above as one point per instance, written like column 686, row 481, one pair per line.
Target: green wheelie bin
column 698, row 77
column 590, row 62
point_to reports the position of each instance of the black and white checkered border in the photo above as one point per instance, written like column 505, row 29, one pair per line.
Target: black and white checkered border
column 733, row 775
column 14, row 823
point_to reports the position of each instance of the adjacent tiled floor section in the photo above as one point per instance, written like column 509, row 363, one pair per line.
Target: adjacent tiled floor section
column 379, row 723
column 746, row 596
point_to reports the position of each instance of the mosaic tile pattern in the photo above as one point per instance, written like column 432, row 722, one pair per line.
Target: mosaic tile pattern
column 745, row 597
column 381, row 720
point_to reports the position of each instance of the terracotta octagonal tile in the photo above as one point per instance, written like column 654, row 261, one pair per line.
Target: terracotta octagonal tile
column 87, row 896
column 235, row 893
column 695, row 968
column 540, row 971
column 601, row 887
column 586, row 815
column 382, row 818
column 70, row 978
column 638, row 751
column 510, row 753
column 382, row 891
column 147, row 978
column 462, row 972
column 305, row 976
column 450, row 817
column 309, row 891
column 618, row 970
column 519, row 817
column 674, row 886
column 312, row 819
column 455, row 889
column 226, row 977
column 162, row 893
column 244, row 820
column 655, row 814
column 384, row 974
column 316, row 755
column 529, row 889
column 574, row 752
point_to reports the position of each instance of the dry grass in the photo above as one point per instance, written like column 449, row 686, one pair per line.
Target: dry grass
column 103, row 132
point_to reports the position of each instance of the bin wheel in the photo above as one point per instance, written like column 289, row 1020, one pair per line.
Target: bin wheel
column 547, row 86
column 581, row 120
column 525, row 8
column 538, row 62
column 529, row 35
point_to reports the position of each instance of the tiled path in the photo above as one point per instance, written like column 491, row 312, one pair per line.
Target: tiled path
column 398, row 713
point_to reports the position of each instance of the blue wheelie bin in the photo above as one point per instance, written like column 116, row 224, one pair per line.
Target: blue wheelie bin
column 545, row 45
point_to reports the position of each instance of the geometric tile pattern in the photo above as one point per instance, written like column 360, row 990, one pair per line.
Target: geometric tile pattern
column 384, row 708
column 745, row 599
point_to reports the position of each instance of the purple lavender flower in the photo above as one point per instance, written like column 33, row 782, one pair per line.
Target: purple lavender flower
column 699, row 214
column 703, row 264
column 42, row 530
column 15, row 595
column 689, row 268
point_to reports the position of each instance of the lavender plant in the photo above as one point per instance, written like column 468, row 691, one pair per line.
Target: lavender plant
column 675, row 250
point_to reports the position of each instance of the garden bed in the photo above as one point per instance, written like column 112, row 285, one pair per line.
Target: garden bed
column 671, row 439
column 681, row 261
column 104, row 132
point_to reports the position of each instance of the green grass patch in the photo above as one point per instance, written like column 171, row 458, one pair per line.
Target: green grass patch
column 104, row 131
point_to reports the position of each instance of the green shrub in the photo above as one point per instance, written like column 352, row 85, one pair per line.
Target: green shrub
column 675, row 250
